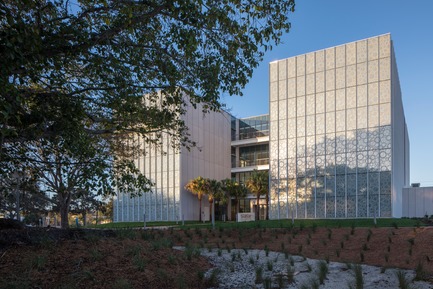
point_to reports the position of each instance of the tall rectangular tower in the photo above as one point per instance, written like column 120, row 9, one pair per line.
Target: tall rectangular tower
column 338, row 139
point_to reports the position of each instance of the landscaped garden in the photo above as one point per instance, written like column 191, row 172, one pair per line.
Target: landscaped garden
column 137, row 258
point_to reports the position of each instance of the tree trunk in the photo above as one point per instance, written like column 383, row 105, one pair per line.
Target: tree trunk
column 65, row 202
column 257, row 208
column 212, row 206
column 64, row 216
column 199, row 215
column 267, row 206
column 84, row 218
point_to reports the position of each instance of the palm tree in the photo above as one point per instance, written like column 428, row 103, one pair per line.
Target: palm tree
column 235, row 190
column 214, row 192
column 198, row 186
column 258, row 185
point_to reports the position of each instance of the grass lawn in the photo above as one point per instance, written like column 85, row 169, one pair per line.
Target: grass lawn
column 284, row 223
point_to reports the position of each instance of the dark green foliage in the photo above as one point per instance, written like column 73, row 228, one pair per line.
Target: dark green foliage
column 61, row 101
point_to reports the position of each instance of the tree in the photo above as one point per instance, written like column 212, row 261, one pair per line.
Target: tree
column 234, row 190
column 20, row 194
column 103, row 71
column 68, row 172
column 85, row 202
column 214, row 192
column 258, row 185
column 198, row 186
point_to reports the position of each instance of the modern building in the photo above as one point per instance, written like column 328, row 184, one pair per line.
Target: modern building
column 250, row 151
column 335, row 143
column 338, row 139
column 171, row 169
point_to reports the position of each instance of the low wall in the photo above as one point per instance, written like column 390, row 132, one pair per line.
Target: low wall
column 417, row 202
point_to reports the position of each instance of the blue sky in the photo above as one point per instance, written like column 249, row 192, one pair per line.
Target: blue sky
column 320, row 24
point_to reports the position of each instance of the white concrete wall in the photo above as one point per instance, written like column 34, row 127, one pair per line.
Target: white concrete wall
column 170, row 169
column 417, row 202
column 210, row 159
column 400, row 150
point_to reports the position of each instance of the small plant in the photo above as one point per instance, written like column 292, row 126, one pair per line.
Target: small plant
column 39, row 262
column 290, row 274
column 388, row 248
column 266, row 250
column 292, row 261
column 329, row 234
column 219, row 252
column 286, row 255
column 95, row 254
column 269, row 265
column 369, row 234
column 300, row 248
column 386, row 258
column 308, row 241
column 403, row 282
column 267, row 284
column 359, row 279
column 327, row 259
column 364, row 247
column 251, row 260
column 337, row 252
column 395, row 225
column 171, row 259
column 246, row 251
column 352, row 228
column 280, row 280
column 301, row 226
column 323, row 271
column 420, row 274
column 191, row 251
column 121, row 284
column 342, row 244
column 411, row 241
column 212, row 280
column 232, row 267
column 259, row 275
column 257, row 256
column 361, row 255
column 282, row 246
column 139, row 263
column 309, row 269
column 314, row 227
column 382, row 270
column 233, row 256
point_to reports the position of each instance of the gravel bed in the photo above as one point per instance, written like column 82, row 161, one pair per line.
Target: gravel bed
column 240, row 268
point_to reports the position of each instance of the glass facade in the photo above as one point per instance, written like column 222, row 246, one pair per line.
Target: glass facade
column 254, row 155
column 253, row 127
column 330, row 132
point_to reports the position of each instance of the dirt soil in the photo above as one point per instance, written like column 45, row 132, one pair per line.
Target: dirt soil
column 53, row 258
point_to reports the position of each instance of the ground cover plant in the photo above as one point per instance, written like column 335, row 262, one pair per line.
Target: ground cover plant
column 137, row 258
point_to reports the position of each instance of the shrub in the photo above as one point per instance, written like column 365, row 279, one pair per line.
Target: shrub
column 403, row 282
column 420, row 274
column 269, row 265
column 323, row 271
column 259, row 275
column 359, row 279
